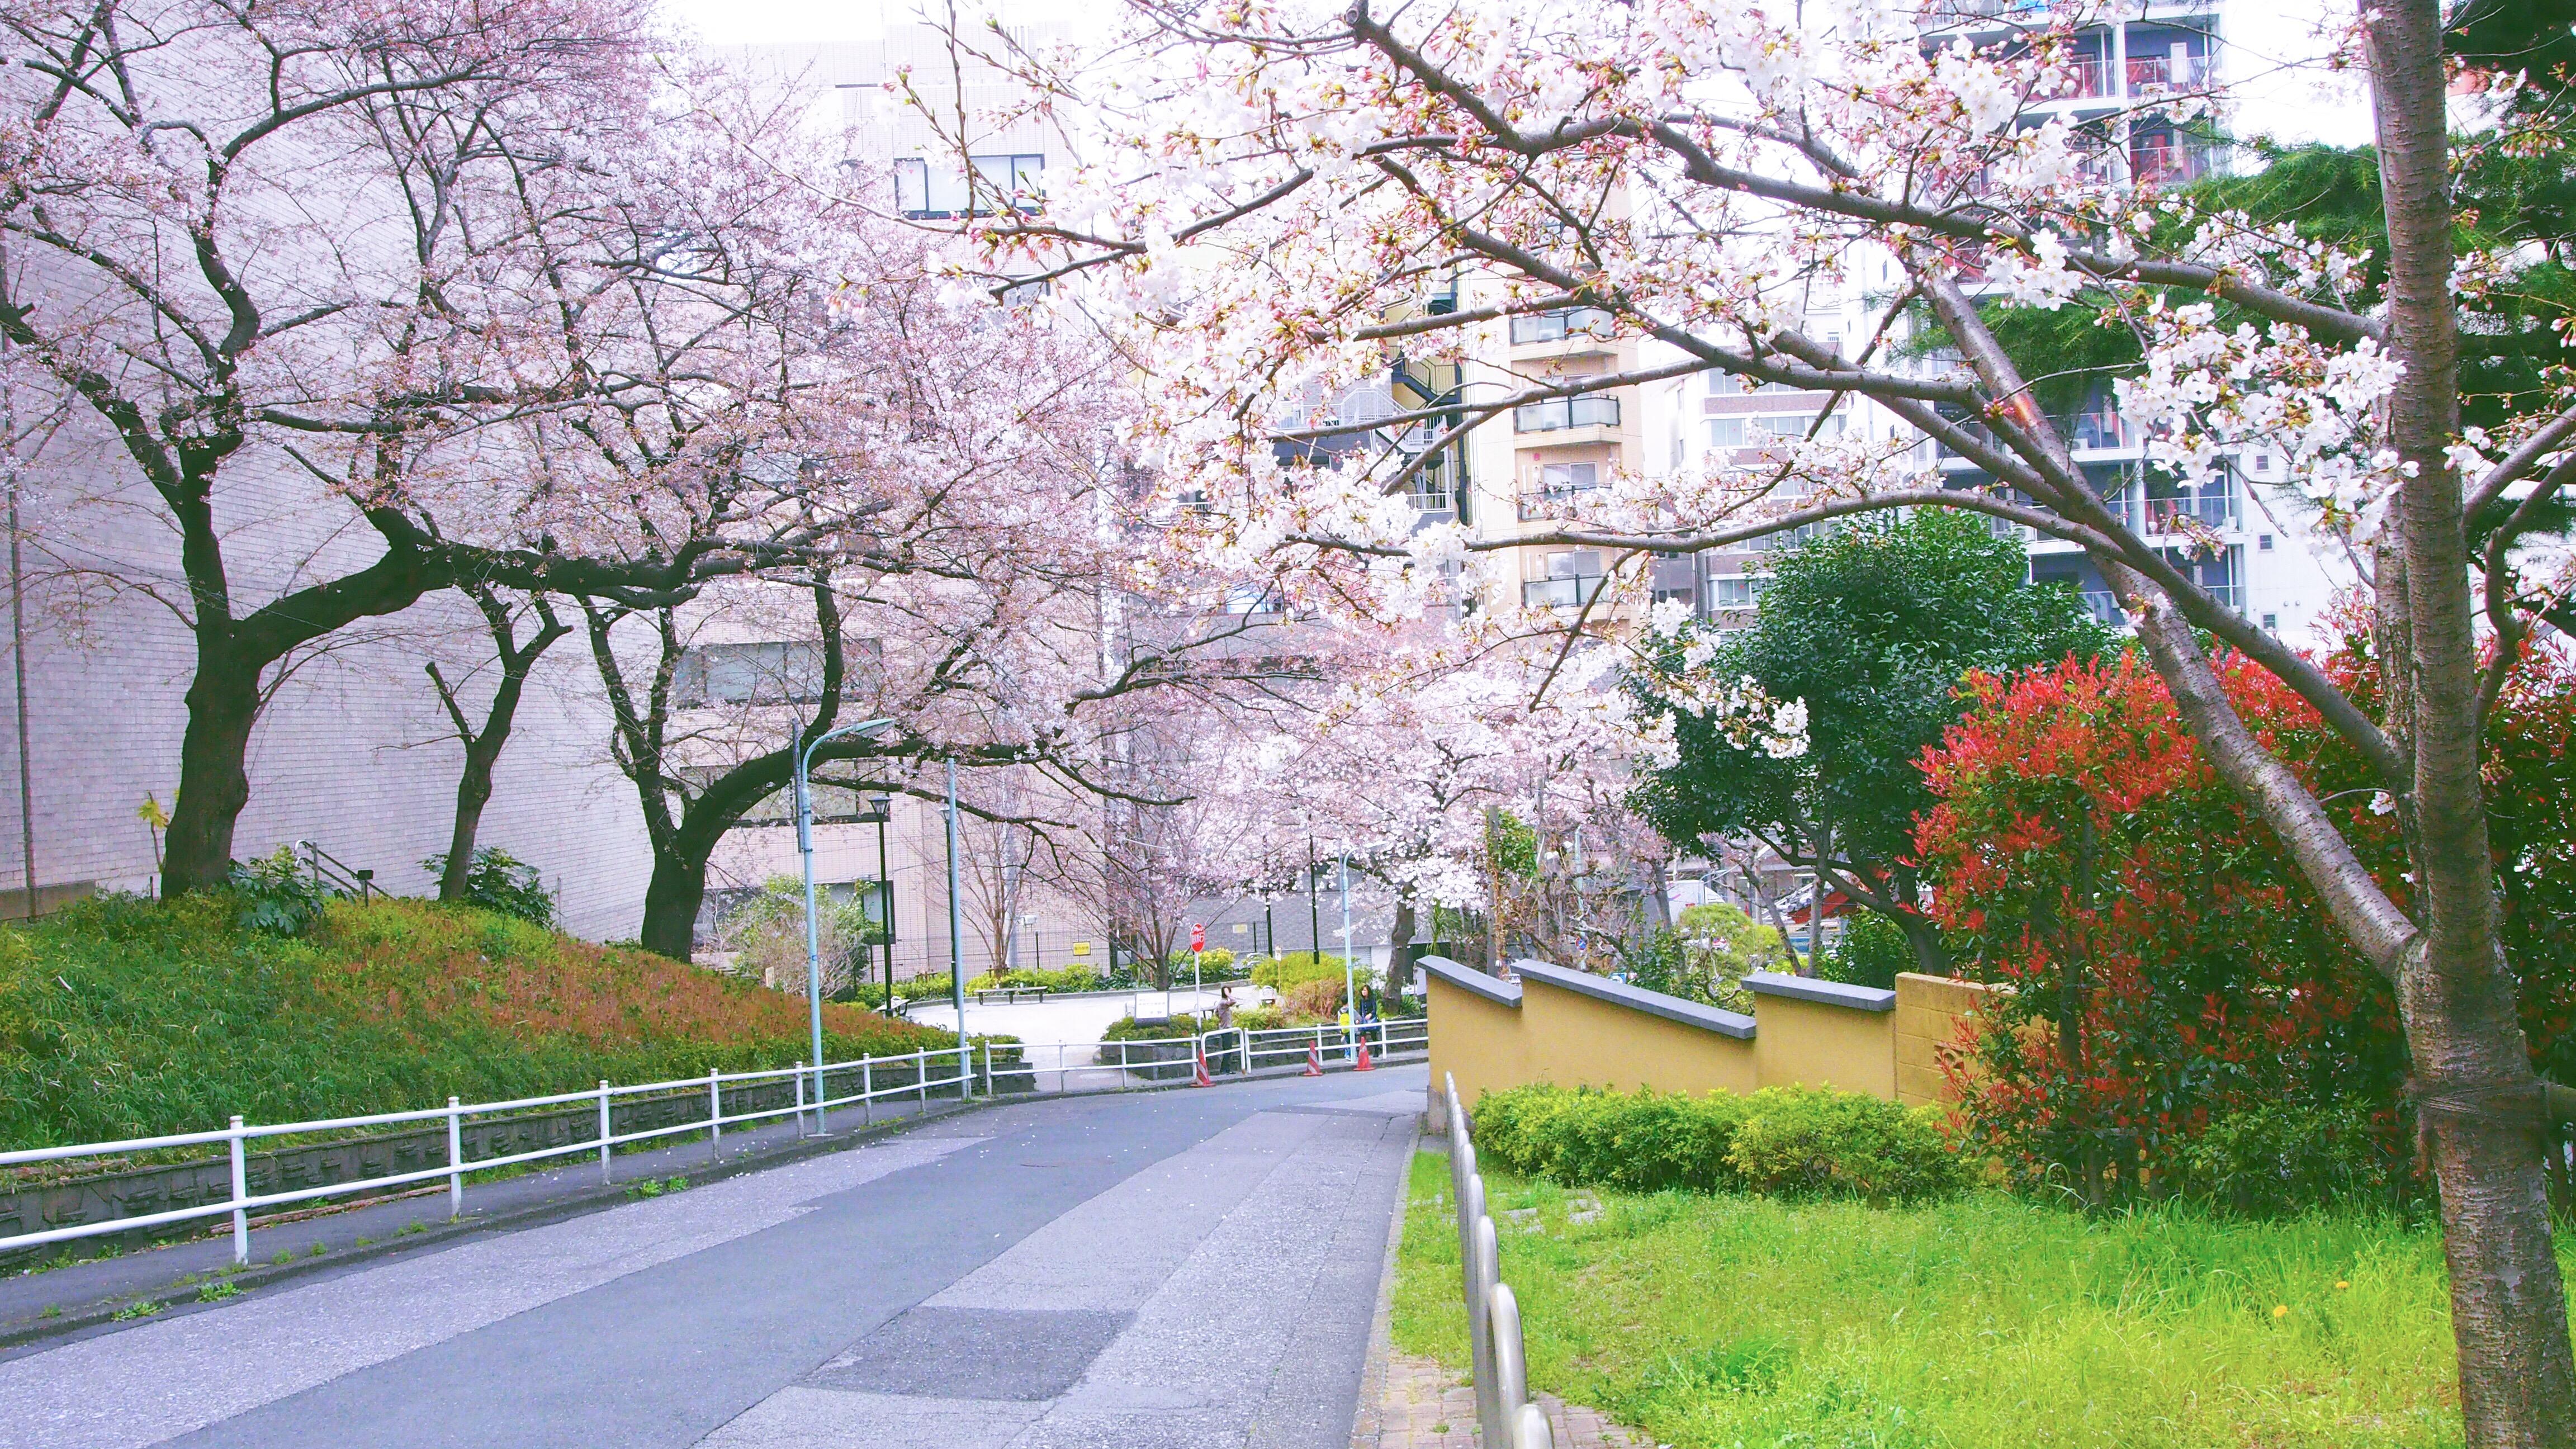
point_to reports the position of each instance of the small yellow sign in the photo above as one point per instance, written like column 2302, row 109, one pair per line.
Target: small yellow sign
column 1082, row 948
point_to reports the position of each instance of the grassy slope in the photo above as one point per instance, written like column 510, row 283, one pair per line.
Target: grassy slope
column 124, row 1017
column 1713, row 1322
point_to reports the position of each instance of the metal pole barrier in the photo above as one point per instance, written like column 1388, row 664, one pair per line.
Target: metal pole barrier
column 868, row 1090
column 715, row 1114
column 604, row 1175
column 241, row 1190
column 822, row 1114
column 921, row 1077
column 988, row 1068
column 1487, row 1273
column 455, row 1161
column 800, row 1092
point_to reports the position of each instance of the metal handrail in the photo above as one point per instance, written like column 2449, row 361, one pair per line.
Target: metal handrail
column 241, row 1201
column 336, row 873
column 1501, row 1373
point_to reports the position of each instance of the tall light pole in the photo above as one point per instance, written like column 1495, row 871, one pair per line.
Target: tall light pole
column 813, row 928
column 882, row 807
column 956, row 927
column 1350, row 976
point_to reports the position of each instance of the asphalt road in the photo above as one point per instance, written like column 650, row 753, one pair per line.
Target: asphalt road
column 1176, row 1268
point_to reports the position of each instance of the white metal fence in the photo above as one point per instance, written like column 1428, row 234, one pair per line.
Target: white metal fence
column 813, row 1095
column 1503, row 1409
column 1118, row 1066
column 1001, row 1069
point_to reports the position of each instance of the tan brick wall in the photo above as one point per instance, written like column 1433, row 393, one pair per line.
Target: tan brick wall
column 1932, row 1020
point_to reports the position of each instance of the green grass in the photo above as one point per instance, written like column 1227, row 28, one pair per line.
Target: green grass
column 123, row 1017
column 1716, row 1321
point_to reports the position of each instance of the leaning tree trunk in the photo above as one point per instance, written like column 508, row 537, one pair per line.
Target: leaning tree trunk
column 2478, row 1103
column 473, row 792
column 1399, row 947
column 214, row 781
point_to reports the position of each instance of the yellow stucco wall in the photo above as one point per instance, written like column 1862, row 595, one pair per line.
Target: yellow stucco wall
column 1478, row 1041
column 1565, row 1036
column 1811, row 1044
column 1580, row 1041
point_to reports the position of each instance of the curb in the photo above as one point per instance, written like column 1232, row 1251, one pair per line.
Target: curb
column 581, row 1203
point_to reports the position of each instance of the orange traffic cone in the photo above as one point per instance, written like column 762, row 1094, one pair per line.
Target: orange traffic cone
column 1314, row 1060
column 1200, row 1077
column 1364, row 1064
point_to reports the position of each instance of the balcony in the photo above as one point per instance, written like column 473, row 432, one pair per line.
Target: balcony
column 1557, row 326
column 2167, row 72
column 1570, row 592
column 1558, row 414
column 1544, row 503
column 2212, row 508
column 2163, row 159
column 2092, row 79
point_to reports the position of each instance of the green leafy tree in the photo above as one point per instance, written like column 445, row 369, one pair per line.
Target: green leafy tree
column 1873, row 627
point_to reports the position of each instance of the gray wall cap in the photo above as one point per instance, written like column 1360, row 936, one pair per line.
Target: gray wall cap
column 1469, row 979
column 1827, row 993
column 1638, row 998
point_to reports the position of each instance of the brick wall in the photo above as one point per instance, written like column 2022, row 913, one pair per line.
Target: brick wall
column 1932, row 1013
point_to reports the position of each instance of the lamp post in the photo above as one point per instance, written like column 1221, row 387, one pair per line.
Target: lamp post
column 956, row 926
column 1350, row 981
column 813, row 928
column 881, row 809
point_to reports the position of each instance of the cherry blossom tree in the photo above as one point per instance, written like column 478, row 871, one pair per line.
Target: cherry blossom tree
column 1269, row 194
column 274, row 243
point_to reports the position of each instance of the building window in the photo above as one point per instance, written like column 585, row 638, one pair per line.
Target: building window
column 776, row 672
column 1561, row 324
column 1556, row 414
column 2271, row 623
column 1736, row 591
column 1573, row 577
column 2264, row 542
column 927, row 187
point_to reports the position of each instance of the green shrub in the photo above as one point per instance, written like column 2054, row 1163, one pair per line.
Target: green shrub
column 1814, row 1141
column 501, row 882
column 1642, row 1143
column 1792, row 1141
column 1128, row 1028
column 1872, row 950
column 1213, row 962
column 1071, row 978
column 1296, row 968
column 276, row 894
column 1255, row 1018
column 2282, row 1158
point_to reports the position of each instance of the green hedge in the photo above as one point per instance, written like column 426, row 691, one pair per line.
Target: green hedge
column 1281, row 973
column 1790, row 1141
column 1128, row 1028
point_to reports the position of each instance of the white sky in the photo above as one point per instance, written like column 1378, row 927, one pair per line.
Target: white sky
column 779, row 22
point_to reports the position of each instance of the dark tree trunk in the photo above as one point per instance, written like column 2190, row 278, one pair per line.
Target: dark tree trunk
column 214, row 784
column 483, row 747
column 473, row 792
column 1400, row 952
column 1921, row 933
column 672, row 899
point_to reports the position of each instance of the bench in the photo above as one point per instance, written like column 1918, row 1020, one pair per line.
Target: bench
column 1010, row 994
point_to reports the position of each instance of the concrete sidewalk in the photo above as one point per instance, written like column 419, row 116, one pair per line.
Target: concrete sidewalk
column 1170, row 1268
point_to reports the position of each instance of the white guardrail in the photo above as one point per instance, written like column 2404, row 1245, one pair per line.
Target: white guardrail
column 1118, row 1066
column 1503, row 1409
column 1078, row 1067
column 242, row 1202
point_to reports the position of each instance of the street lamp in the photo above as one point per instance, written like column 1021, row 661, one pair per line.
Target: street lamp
column 880, row 810
column 813, row 927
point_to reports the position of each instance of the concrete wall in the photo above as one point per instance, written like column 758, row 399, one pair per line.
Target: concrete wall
column 1574, row 1029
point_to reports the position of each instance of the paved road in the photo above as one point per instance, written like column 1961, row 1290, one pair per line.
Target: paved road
column 1188, row 1268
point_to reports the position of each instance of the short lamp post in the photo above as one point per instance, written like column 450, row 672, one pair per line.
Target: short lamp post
column 881, row 810
column 813, row 926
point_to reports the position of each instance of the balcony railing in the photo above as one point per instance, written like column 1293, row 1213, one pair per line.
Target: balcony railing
column 1560, row 324
column 2213, row 509
column 1565, row 593
column 1566, row 412
column 2092, row 78
column 2166, row 71
column 2166, row 161
column 1541, row 503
